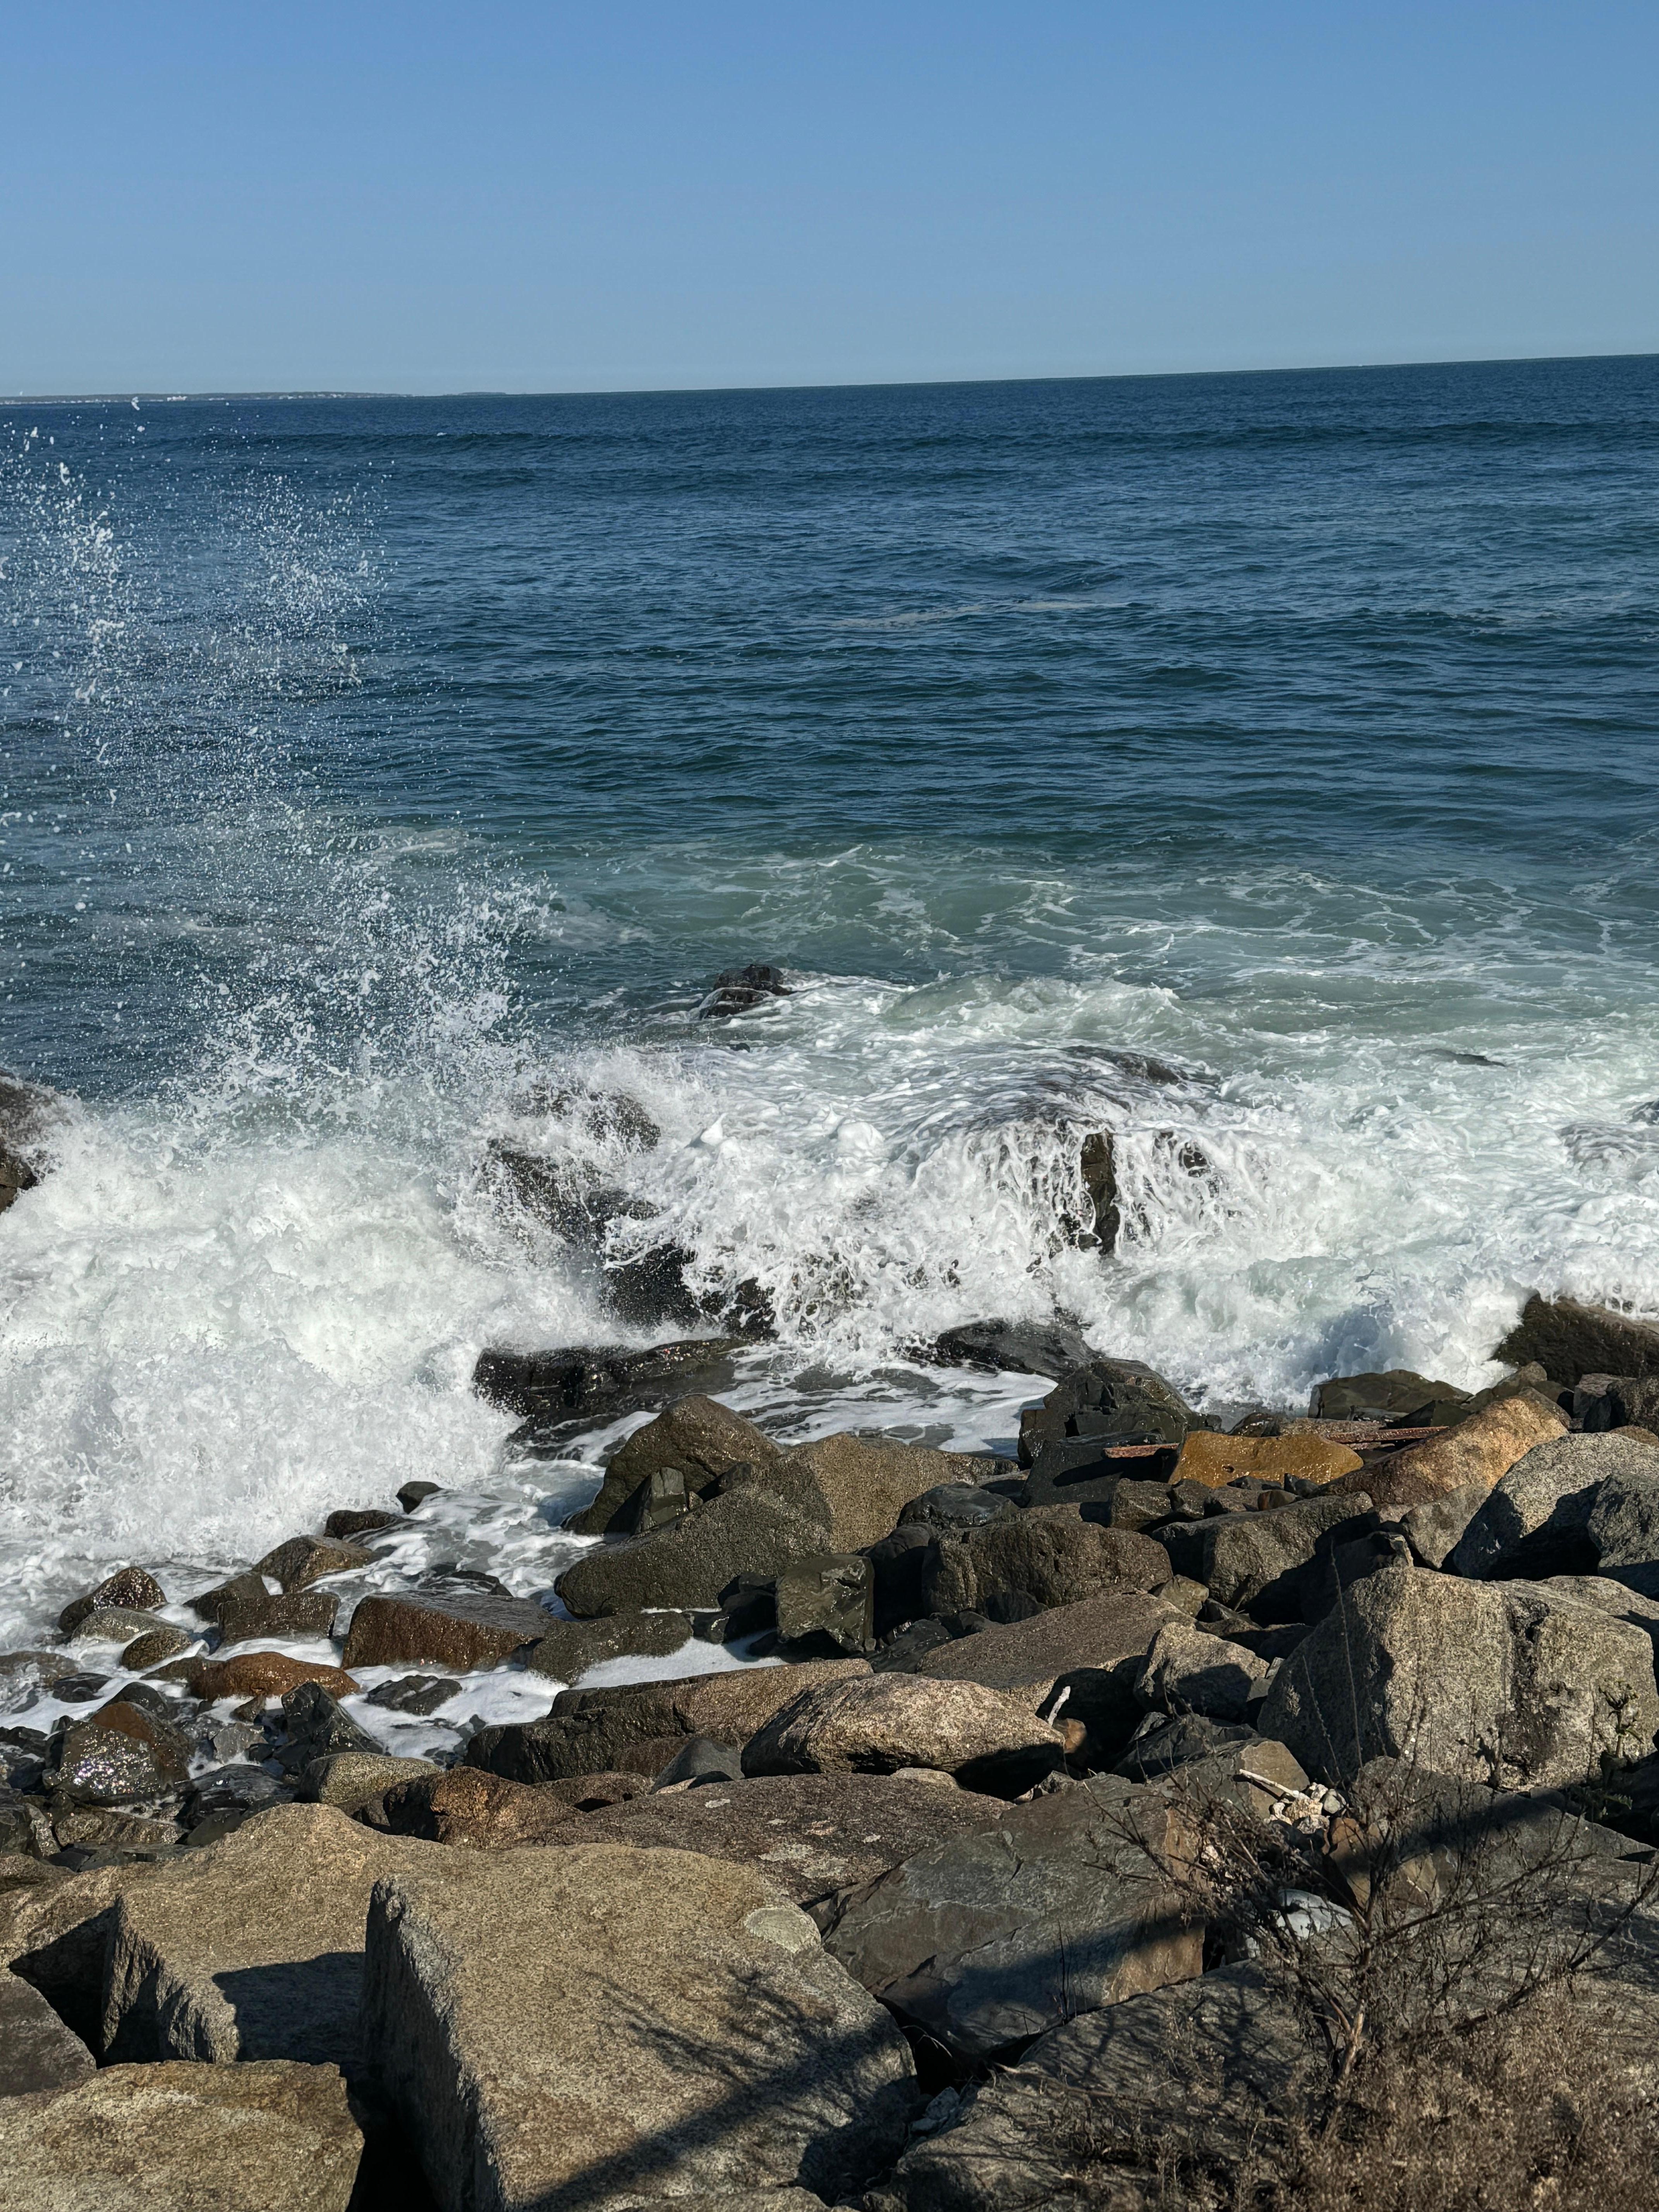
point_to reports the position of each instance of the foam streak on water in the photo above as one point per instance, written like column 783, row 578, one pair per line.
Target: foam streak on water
column 1258, row 769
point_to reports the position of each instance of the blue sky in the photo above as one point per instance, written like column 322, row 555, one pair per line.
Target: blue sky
column 548, row 198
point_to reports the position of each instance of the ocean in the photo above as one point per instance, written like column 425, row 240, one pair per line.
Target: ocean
column 1260, row 767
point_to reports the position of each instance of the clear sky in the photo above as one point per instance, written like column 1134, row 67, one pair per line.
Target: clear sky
column 538, row 198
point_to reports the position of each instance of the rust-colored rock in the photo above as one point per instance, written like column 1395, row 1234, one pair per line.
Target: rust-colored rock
column 265, row 1674
column 1215, row 1460
column 459, row 1633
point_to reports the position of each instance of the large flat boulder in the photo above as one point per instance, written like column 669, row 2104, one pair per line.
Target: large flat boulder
column 252, row 1947
column 743, row 1531
column 881, row 1723
column 987, row 1940
column 1047, row 1554
column 442, row 1628
column 190, row 2138
column 1509, row 1682
column 591, row 1731
column 698, row 1436
column 813, row 1834
column 566, row 2029
column 1535, row 1523
column 1569, row 1338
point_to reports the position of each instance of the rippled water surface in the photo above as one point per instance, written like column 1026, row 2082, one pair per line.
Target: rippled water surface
column 375, row 769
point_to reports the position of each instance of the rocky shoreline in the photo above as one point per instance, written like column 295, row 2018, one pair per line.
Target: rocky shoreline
column 838, row 1798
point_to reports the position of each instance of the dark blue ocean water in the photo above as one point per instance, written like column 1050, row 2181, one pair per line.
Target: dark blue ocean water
column 366, row 760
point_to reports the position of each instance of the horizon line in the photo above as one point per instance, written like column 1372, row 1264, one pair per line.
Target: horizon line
column 157, row 397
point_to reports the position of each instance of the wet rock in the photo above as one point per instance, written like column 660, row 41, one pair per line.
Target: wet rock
column 225, row 1794
column 117, row 1755
column 736, row 990
column 613, row 1116
column 592, row 1731
column 661, row 1498
column 486, row 1812
column 38, row 2055
column 1109, row 1401
column 192, row 2138
column 1251, row 1561
column 1216, row 1461
column 1047, row 1554
column 826, row 1601
column 814, row 1834
column 1186, row 1671
column 1482, row 1449
column 1536, row 1522
column 112, row 1627
column 879, row 1723
column 27, row 1114
column 360, row 1520
column 304, row 1614
column 79, row 1688
column 691, row 1561
column 16, row 1176
column 414, row 1494
column 263, row 1674
column 252, row 1947
column 349, row 1779
column 579, row 1386
column 567, row 1648
column 1569, row 1338
column 698, row 1436
column 1473, row 1679
column 429, row 1627
column 1013, row 1347
column 318, row 1726
column 303, row 1561
column 24, row 1674
column 765, row 2065
column 130, row 1587
column 1394, row 1395
column 987, row 1940
column 155, row 1648
column 415, row 1693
